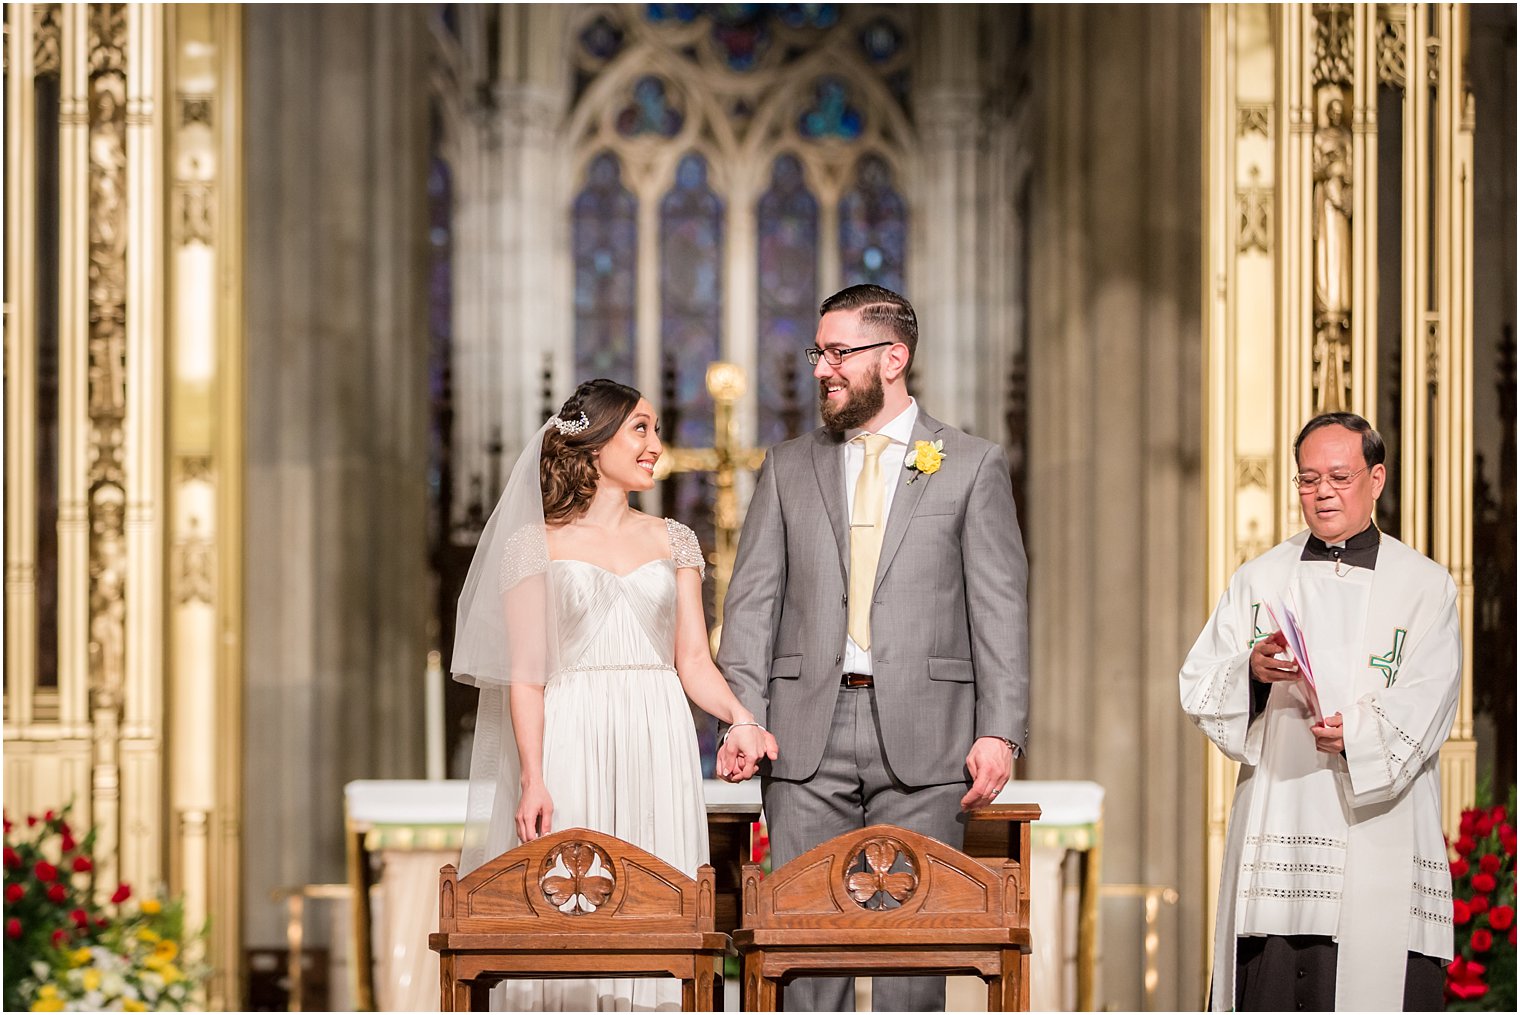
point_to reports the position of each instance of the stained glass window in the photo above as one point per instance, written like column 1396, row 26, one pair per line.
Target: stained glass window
column 873, row 227
column 604, row 228
column 880, row 41
column 440, row 189
column 691, row 318
column 787, row 262
column 832, row 114
column 650, row 111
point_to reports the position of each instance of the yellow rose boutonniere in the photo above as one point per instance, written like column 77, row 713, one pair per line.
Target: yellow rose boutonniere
column 925, row 460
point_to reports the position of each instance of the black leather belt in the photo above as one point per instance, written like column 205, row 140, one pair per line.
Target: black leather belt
column 857, row 680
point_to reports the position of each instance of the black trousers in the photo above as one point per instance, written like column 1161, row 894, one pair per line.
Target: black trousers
column 1298, row 974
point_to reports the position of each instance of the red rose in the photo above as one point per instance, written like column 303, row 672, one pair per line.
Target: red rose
column 1482, row 940
column 45, row 871
column 64, row 829
column 1468, row 991
column 12, row 858
column 1489, row 864
column 1478, row 905
column 1484, row 882
column 1512, row 935
column 1458, row 868
column 1500, row 812
column 31, row 819
column 7, row 825
column 1468, row 823
column 68, row 843
column 1501, row 917
column 1464, row 846
column 1483, row 826
column 122, row 894
column 102, row 922
column 60, row 936
column 81, row 918
column 14, row 893
column 13, row 927
column 1460, row 913
column 57, row 893
column 49, row 816
column 82, row 865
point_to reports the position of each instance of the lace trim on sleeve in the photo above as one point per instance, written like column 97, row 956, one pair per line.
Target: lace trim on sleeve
column 684, row 548
column 526, row 553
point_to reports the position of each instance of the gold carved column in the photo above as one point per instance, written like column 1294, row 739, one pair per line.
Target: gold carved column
column 203, row 390
column 123, row 428
column 1297, row 321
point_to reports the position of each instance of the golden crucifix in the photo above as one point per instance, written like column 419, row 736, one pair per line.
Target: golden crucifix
column 726, row 383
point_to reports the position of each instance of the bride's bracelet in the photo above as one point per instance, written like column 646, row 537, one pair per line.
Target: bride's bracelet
column 734, row 726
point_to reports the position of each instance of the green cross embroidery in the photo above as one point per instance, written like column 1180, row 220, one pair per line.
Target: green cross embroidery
column 1257, row 634
column 1389, row 663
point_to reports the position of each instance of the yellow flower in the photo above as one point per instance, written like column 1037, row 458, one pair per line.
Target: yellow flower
column 926, row 458
column 48, row 1004
column 47, row 991
column 171, row 974
column 163, row 954
column 132, row 1004
column 79, row 956
column 144, row 934
column 152, row 907
column 91, row 979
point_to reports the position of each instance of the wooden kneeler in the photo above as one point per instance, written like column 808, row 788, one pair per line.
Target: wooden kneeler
column 827, row 914
column 576, row 903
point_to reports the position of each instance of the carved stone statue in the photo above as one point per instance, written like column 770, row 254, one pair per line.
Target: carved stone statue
column 1332, row 259
column 1332, row 216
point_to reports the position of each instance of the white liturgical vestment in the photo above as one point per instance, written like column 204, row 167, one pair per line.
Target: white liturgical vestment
column 1346, row 846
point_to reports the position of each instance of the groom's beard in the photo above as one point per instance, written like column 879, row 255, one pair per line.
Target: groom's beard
column 863, row 399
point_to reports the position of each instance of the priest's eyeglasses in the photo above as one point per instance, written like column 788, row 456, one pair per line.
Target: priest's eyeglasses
column 835, row 354
column 1308, row 481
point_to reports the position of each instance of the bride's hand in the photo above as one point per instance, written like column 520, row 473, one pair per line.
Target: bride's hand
column 739, row 757
column 534, row 813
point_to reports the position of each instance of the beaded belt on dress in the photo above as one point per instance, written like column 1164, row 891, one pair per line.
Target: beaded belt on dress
column 609, row 667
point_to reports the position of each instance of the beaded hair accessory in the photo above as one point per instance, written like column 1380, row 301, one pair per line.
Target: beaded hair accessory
column 571, row 427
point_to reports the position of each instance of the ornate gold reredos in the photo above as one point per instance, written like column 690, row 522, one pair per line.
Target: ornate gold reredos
column 874, row 881
column 577, row 877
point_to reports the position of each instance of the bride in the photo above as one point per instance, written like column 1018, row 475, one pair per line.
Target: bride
column 581, row 622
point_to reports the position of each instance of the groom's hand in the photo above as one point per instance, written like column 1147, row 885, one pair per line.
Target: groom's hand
column 739, row 757
column 990, row 763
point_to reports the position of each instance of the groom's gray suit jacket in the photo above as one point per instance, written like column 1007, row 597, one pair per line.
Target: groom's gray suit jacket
column 949, row 623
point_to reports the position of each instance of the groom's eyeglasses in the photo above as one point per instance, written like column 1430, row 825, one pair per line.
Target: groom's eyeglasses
column 836, row 354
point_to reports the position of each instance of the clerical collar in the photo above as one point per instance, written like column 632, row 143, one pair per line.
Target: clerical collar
column 1360, row 550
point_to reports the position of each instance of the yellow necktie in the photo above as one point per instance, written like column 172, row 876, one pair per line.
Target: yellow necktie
column 866, row 526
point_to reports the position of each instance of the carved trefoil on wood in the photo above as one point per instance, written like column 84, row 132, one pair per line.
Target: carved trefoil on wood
column 888, row 870
column 577, row 878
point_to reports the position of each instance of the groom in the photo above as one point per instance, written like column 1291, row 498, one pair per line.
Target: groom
column 876, row 622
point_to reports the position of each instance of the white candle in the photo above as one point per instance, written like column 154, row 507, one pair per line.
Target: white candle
column 436, row 772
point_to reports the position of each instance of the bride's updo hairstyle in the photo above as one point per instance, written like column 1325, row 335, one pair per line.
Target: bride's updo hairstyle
column 567, row 470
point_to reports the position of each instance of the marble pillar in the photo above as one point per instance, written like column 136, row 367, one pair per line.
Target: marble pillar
column 337, row 599
column 1114, row 522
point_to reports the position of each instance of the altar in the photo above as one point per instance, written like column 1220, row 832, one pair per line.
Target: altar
column 400, row 832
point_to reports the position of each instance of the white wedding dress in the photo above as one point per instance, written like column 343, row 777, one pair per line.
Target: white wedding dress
column 620, row 746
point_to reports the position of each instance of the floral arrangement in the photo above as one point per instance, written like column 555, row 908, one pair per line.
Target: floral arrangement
column 64, row 951
column 925, row 459
column 1481, row 976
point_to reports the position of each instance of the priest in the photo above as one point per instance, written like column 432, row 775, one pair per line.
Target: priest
column 1330, row 670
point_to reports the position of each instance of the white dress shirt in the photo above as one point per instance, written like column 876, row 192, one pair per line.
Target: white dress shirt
column 900, row 430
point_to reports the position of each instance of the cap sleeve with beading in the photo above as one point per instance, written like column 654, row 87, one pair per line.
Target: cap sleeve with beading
column 526, row 554
column 684, row 548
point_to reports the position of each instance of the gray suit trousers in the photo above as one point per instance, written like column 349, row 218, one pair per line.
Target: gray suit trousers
column 853, row 788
